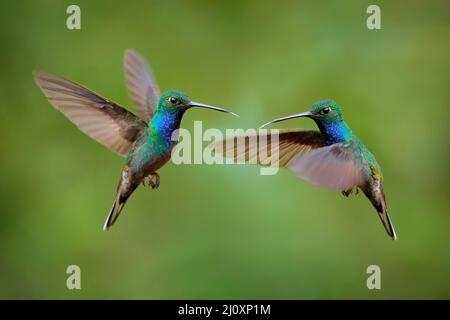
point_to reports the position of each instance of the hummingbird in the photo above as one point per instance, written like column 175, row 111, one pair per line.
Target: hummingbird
column 333, row 157
column 145, row 140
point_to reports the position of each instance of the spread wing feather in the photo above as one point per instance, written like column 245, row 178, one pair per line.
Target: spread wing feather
column 278, row 150
column 331, row 167
column 142, row 87
column 304, row 152
column 99, row 118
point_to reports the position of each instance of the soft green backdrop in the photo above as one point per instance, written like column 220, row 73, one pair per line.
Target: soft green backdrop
column 226, row 231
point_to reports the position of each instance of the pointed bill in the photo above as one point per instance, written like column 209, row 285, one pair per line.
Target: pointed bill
column 201, row 105
column 298, row 115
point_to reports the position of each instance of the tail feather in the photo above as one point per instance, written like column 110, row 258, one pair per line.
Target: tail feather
column 116, row 208
column 124, row 190
column 376, row 196
column 384, row 216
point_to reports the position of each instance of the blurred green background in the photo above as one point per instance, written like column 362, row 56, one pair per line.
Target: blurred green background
column 226, row 231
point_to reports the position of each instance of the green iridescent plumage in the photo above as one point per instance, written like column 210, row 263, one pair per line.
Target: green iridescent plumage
column 333, row 157
column 146, row 142
column 345, row 162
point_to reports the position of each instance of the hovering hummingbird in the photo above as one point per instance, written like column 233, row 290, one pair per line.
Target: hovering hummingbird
column 145, row 141
column 333, row 158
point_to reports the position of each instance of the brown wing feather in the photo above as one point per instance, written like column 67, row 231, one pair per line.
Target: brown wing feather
column 99, row 118
column 303, row 152
column 250, row 148
column 331, row 167
column 142, row 87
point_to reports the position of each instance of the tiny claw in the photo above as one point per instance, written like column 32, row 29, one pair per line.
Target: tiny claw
column 349, row 192
column 151, row 180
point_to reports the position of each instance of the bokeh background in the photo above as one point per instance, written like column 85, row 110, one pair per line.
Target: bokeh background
column 226, row 231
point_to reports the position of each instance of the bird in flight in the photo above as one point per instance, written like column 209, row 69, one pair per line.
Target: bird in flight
column 333, row 157
column 145, row 141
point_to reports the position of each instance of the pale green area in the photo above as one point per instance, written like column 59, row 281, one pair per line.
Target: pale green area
column 226, row 231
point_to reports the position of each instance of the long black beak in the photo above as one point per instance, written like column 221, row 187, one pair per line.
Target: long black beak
column 298, row 115
column 201, row 105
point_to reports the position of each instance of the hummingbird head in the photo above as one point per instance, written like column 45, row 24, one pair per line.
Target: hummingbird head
column 323, row 113
column 174, row 101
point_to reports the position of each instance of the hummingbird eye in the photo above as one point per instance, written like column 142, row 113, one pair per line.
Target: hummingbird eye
column 325, row 110
column 174, row 101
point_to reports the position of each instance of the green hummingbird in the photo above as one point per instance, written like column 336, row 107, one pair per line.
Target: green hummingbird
column 332, row 158
column 145, row 141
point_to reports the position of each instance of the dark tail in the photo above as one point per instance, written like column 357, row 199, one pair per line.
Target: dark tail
column 117, row 207
column 384, row 216
column 380, row 204
column 124, row 191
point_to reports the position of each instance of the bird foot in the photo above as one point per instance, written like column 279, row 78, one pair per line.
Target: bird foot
column 151, row 180
column 349, row 192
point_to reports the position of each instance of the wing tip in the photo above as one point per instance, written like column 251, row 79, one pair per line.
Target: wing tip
column 130, row 50
column 39, row 76
column 37, row 73
column 130, row 53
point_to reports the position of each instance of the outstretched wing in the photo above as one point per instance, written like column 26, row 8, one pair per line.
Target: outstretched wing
column 142, row 87
column 331, row 167
column 100, row 118
column 304, row 152
column 269, row 149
